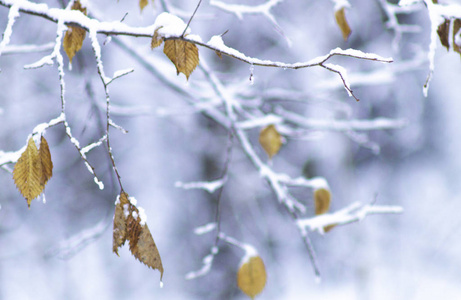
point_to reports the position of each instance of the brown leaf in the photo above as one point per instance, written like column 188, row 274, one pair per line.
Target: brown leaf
column 45, row 161
column 128, row 226
column 456, row 28
column 73, row 40
column 251, row 276
column 218, row 53
column 157, row 40
column 119, row 232
column 443, row 31
column 183, row 55
column 329, row 227
column 142, row 4
column 27, row 173
column 322, row 201
column 340, row 17
column 271, row 140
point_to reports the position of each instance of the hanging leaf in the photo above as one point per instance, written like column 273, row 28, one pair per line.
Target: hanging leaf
column 456, row 28
column 128, row 225
column 45, row 161
column 271, row 140
column 322, row 201
column 73, row 40
column 340, row 17
column 251, row 276
column 157, row 40
column 142, row 4
column 183, row 55
column 443, row 32
column 27, row 173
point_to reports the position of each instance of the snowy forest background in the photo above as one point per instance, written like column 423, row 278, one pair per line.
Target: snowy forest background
column 62, row 249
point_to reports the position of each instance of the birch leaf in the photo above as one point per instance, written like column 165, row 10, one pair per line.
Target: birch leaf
column 340, row 17
column 456, row 28
column 443, row 32
column 183, row 55
column 322, row 201
column 251, row 276
column 142, row 4
column 73, row 40
column 45, row 161
column 157, row 40
column 27, row 173
column 271, row 140
column 128, row 226
column 119, row 231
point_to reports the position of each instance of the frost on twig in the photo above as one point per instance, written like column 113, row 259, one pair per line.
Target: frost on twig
column 209, row 186
column 355, row 212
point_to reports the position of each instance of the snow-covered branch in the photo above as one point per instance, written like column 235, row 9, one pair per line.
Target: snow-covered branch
column 355, row 212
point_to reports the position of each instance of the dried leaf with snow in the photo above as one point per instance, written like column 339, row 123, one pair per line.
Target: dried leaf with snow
column 340, row 16
column 157, row 40
column 27, row 173
column 184, row 55
column 129, row 224
column 271, row 140
column 73, row 40
column 251, row 276
column 46, row 163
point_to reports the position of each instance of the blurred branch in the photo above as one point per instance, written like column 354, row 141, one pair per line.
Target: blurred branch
column 355, row 212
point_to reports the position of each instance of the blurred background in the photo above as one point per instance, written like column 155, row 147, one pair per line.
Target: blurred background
column 62, row 249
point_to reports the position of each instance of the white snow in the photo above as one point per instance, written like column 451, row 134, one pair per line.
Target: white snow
column 126, row 211
column 339, row 4
column 142, row 216
column 117, row 200
column 209, row 186
column 133, row 200
column 168, row 25
column 205, row 228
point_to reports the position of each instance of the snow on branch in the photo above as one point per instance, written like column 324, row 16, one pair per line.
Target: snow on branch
column 340, row 125
column 239, row 10
column 20, row 49
column 209, row 186
column 355, row 212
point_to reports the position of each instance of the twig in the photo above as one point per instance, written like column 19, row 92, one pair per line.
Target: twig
column 190, row 20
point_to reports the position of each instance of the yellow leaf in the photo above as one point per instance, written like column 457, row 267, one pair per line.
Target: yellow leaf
column 340, row 17
column 322, row 201
column 183, row 55
column 271, row 140
column 157, row 40
column 45, row 161
column 27, row 173
column 142, row 4
column 128, row 226
column 73, row 40
column 218, row 53
column 329, row 227
column 251, row 276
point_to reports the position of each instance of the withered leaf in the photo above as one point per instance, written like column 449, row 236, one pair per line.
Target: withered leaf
column 329, row 227
column 443, row 31
column 128, row 226
column 340, row 16
column 119, row 232
column 142, row 4
column 322, row 199
column 45, row 161
column 271, row 140
column 184, row 55
column 456, row 28
column 73, row 39
column 218, row 53
column 251, row 276
column 27, row 173
column 157, row 40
